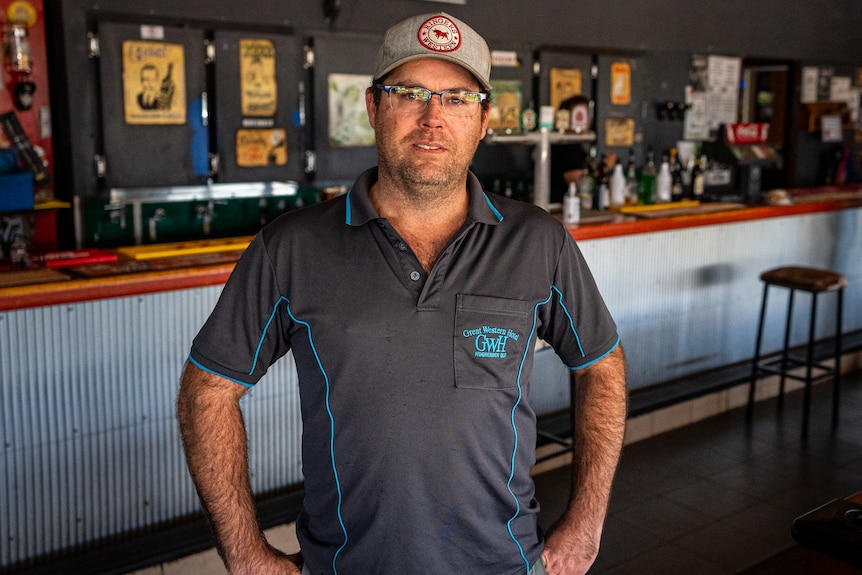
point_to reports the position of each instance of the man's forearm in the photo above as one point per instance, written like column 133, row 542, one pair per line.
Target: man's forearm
column 599, row 412
column 600, row 406
column 214, row 439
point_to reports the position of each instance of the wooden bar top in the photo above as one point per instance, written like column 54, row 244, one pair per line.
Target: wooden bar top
column 70, row 289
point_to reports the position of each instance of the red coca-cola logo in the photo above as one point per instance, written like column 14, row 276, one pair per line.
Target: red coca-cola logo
column 746, row 133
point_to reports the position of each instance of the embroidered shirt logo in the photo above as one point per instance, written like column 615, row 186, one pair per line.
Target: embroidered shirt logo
column 489, row 341
column 440, row 34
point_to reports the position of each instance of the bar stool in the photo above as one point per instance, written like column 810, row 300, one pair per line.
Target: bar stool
column 814, row 281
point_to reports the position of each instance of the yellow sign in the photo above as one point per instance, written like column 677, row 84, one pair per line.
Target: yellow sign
column 259, row 95
column 620, row 132
column 154, row 83
column 565, row 83
column 255, row 148
column 621, row 89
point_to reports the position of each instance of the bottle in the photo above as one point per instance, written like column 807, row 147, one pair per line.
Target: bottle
column 664, row 183
column 697, row 178
column 571, row 205
column 687, row 176
column 631, row 181
column 646, row 189
column 166, row 90
column 675, row 176
column 618, row 187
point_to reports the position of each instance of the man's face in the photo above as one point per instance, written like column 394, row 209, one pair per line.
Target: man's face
column 428, row 148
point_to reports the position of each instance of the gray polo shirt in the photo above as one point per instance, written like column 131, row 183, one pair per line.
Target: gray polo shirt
column 418, row 429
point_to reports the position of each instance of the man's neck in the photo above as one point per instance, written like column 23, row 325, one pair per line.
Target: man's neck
column 426, row 223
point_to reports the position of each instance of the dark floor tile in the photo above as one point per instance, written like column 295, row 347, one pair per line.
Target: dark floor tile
column 711, row 499
column 731, row 548
column 667, row 560
column 663, row 518
column 621, row 541
column 765, row 520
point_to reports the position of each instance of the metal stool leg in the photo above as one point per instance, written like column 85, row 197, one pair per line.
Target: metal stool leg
column 785, row 351
column 836, row 382
column 809, row 360
column 755, row 371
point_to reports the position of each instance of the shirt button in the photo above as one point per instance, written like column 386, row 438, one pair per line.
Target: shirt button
column 415, row 276
column 402, row 246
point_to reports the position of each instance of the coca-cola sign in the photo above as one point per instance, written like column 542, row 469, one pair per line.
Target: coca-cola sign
column 747, row 133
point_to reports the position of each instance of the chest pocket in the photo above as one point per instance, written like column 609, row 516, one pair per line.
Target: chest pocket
column 490, row 337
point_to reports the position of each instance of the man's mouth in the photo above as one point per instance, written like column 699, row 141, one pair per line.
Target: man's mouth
column 428, row 147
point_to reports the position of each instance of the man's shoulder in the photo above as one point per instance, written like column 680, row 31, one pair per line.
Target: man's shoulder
column 523, row 212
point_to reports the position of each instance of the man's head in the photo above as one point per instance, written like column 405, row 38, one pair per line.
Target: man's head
column 437, row 35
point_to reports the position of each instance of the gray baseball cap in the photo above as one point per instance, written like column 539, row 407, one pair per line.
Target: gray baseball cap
column 436, row 35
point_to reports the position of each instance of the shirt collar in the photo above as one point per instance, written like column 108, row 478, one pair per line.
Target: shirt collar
column 359, row 210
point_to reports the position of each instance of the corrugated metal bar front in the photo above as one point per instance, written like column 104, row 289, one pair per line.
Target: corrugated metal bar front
column 89, row 435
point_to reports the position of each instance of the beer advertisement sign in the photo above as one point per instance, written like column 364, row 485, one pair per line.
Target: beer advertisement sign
column 259, row 95
column 154, row 83
column 257, row 148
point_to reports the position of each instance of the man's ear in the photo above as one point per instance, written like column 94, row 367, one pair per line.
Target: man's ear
column 370, row 106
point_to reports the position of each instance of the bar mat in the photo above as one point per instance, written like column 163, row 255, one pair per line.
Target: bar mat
column 26, row 277
column 708, row 208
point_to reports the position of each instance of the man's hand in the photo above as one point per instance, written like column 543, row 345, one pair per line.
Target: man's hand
column 270, row 562
column 570, row 549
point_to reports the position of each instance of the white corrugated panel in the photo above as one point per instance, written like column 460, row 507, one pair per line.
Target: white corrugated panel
column 89, row 434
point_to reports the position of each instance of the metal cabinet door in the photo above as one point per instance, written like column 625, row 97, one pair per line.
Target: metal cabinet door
column 153, row 84
column 257, row 78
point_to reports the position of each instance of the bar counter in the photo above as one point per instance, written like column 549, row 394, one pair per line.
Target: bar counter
column 806, row 201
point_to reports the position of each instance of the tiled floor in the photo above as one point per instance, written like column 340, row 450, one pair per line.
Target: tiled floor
column 719, row 497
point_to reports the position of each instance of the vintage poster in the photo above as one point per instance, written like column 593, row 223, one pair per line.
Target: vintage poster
column 255, row 148
column 565, row 83
column 259, row 93
column 505, row 112
column 348, row 118
column 619, row 132
column 621, row 92
column 154, row 83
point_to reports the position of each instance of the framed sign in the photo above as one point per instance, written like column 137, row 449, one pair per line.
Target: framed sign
column 255, row 148
column 154, row 85
column 259, row 90
column 348, row 118
column 565, row 83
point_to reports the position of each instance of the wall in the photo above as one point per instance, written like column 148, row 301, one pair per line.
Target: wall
column 662, row 33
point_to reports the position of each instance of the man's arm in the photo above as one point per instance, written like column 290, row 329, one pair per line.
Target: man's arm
column 600, row 404
column 214, row 438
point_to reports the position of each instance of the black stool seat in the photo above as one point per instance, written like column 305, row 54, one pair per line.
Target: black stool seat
column 806, row 279
column 814, row 281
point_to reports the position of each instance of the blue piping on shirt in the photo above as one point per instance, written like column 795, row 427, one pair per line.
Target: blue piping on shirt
column 554, row 290
column 348, row 217
column 208, row 370
column 497, row 214
column 328, row 410
column 331, row 436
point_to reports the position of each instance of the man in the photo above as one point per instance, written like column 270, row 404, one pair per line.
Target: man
column 148, row 98
column 412, row 306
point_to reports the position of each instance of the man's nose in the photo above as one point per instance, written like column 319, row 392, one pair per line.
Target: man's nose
column 433, row 112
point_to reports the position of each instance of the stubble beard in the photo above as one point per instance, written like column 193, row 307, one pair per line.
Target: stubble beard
column 426, row 182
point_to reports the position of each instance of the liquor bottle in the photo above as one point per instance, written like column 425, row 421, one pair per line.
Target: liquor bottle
column 631, row 182
column 571, row 205
column 676, row 176
column 664, row 183
column 166, row 90
column 618, row 187
column 646, row 188
column 697, row 178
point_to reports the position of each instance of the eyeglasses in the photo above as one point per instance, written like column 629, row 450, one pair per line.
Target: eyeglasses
column 414, row 100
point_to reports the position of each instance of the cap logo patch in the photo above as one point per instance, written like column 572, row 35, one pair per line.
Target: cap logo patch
column 440, row 34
